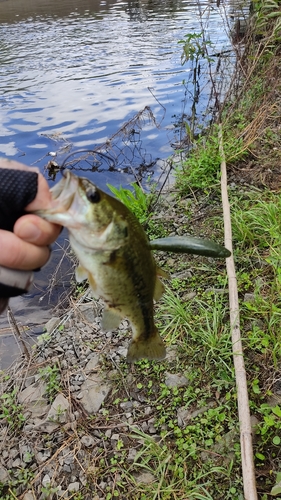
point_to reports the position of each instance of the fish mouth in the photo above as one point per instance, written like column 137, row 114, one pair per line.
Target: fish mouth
column 63, row 192
column 62, row 199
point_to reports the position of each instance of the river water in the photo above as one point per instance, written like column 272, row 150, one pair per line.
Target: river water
column 72, row 73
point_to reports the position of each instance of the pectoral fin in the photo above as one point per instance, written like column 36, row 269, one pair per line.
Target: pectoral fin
column 110, row 320
column 81, row 274
column 158, row 289
column 162, row 273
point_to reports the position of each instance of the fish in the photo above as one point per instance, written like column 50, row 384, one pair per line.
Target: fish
column 114, row 255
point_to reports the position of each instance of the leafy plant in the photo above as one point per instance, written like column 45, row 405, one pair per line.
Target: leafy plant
column 11, row 411
column 137, row 200
column 51, row 375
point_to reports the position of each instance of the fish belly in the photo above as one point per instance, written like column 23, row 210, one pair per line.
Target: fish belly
column 127, row 292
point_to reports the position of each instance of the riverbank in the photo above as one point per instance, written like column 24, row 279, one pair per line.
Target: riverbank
column 79, row 422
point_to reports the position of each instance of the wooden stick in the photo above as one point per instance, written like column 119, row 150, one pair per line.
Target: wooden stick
column 248, row 468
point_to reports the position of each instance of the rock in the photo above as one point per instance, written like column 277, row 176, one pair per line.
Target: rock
column 59, row 410
column 122, row 351
column 88, row 441
column 52, row 324
column 145, row 477
column 74, row 487
column 224, row 447
column 46, row 480
column 29, row 380
column 172, row 354
column 89, row 312
column 64, row 364
column 184, row 415
column 33, row 393
column 13, row 452
column 28, row 496
column 131, row 455
column 41, row 457
column 126, row 405
column 4, row 475
column 188, row 296
column 114, row 439
column 249, row 297
column 93, row 393
column 92, row 364
column 175, row 380
column 39, row 409
column 183, row 275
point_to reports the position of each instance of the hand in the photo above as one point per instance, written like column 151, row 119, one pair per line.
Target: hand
column 27, row 247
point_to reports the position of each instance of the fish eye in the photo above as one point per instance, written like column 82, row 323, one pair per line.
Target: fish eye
column 93, row 195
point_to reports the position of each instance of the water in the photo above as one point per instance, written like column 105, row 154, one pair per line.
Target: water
column 72, row 73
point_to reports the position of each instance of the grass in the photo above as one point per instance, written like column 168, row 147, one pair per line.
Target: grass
column 190, row 459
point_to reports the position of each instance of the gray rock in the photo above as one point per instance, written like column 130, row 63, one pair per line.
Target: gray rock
column 126, row 405
column 29, row 380
column 175, row 380
column 93, row 393
column 249, row 297
column 33, row 393
column 38, row 409
column 74, row 487
column 92, row 364
column 89, row 312
column 145, row 478
column 88, row 441
column 184, row 415
column 122, row 351
column 188, row 296
column 224, row 447
column 59, row 410
column 183, row 275
column 41, row 457
column 28, row 496
column 14, row 452
column 18, row 463
column 4, row 475
column 52, row 324
column 46, row 480
column 114, row 438
column 172, row 354
column 64, row 364
column 131, row 455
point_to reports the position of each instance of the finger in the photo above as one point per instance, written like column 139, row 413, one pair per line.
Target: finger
column 19, row 254
column 43, row 196
column 5, row 163
column 33, row 229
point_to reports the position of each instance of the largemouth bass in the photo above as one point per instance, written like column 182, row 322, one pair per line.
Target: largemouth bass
column 114, row 255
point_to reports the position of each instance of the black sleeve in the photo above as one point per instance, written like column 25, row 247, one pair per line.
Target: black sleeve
column 18, row 188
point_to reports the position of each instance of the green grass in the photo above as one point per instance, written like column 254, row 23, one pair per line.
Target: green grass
column 201, row 459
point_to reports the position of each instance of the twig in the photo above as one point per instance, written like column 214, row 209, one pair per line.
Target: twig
column 12, row 321
column 248, row 469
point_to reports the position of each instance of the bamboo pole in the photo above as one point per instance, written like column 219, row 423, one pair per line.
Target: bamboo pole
column 248, row 468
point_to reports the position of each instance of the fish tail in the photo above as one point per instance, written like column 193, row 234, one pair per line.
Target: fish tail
column 152, row 348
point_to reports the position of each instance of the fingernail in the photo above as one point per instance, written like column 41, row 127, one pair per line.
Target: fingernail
column 29, row 232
